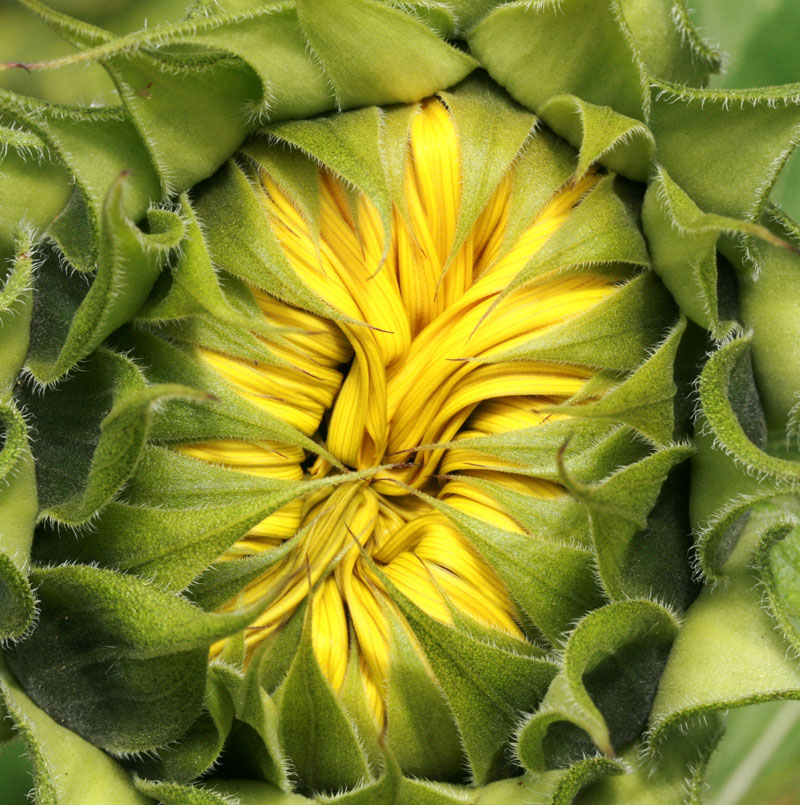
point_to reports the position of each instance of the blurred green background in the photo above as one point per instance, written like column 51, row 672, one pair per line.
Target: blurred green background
column 758, row 762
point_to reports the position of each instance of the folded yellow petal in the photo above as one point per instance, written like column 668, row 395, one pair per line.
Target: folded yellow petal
column 412, row 367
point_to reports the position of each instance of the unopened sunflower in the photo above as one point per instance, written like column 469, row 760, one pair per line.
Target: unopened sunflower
column 397, row 407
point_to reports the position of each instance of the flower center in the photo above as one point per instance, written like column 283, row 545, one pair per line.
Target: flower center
column 405, row 382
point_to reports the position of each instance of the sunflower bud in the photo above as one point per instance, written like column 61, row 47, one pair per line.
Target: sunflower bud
column 369, row 467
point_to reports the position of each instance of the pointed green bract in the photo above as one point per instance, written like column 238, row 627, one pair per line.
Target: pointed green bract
column 552, row 583
column 317, row 735
column 294, row 171
column 521, row 40
column 491, row 133
column 169, row 528
column 238, row 239
column 615, row 334
column 226, row 415
column 421, row 732
column 600, row 134
column 205, row 305
column 599, row 233
column 484, row 711
column 405, row 60
column 544, row 165
column 348, row 144
column 645, row 400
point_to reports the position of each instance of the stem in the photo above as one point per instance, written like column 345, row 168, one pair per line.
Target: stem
column 740, row 782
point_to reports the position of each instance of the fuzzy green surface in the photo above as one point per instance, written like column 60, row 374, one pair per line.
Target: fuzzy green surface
column 624, row 123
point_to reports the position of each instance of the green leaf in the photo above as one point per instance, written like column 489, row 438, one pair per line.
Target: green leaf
column 600, row 134
column 611, row 666
column 555, row 787
column 717, row 538
column 724, row 148
column 18, row 511
column 273, row 658
column 668, row 43
column 645, row 400
column 618, row 507
column 716, row 388
column 404, row 61
column 677, row 777
column 116, row 659
column 486, row 686
column 767, row 303
column 295, row 172
column 193, row 143
column 384, row 791
column 196, row 289
column 96, row 145
column 257, row 741
column 34, row 188
column 177, row 794
column 16, row 301
column 558, row 521
column 128, row 263
column 718, row 482
column 200, row 746
column 728, row 653
column 432, row 793
column 492, row 131
column 524, row 48
column 683, row 244
column 317, row 735
column 92, row 430
column 221, row 581
column 595, row 448
column 421, row 732
column 67, row 769
column 18, row 495
column 780, row 563
column 600, row 233
column 254, row 792
column 353, row 698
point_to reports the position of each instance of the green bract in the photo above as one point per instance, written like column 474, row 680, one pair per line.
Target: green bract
column 666, row 591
